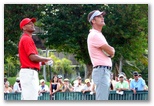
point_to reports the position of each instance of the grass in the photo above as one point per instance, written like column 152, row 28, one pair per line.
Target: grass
column 12, row 80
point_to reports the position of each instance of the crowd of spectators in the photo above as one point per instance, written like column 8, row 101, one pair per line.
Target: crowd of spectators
column 59, row 84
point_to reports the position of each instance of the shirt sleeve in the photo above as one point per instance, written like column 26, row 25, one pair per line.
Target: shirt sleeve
column 29, row 46
column 98, row 41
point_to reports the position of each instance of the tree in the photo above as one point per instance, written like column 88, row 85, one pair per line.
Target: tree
column 126, row 30
column 66, row 29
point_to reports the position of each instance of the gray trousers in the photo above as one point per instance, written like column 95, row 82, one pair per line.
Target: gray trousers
column 101, row 77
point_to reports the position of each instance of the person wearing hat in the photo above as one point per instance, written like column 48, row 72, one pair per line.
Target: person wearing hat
column 60, row 82
column 122, row 85
column 67, row 86
column 137, row 84
column 100, row 53
column 87, row 87
column 29, row 60
column 17, row 86
column 78, row 85
column 43, row 87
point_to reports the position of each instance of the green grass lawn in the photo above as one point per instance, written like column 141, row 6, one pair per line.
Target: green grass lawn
column 12, row 80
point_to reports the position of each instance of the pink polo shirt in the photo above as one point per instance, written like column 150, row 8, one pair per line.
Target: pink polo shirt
column 95, row 40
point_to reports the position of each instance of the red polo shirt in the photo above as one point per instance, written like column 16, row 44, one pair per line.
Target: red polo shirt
column 27, row 47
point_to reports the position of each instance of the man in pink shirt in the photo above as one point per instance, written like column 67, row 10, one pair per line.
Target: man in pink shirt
column 100, row 53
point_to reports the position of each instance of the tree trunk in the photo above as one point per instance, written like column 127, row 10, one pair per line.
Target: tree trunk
column 89, row 71
column 120, row 64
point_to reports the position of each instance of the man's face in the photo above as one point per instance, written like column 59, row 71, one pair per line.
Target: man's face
column 136, row 77
column 42, row 83
column 29, row 27
column 99, row 20
column 88, row 83
column 121, row 78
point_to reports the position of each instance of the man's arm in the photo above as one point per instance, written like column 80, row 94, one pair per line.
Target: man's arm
column 37, row 58
column 108, row 49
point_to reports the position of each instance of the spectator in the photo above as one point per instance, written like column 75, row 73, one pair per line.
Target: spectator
column 43, row 87
column 78, row 85
column 113, row 83
column 7, row 89
column 17, row 86
column 60, row 82
column 122, row 85
column 140, row 76
column 116, row 79
column 67, row 86
column 6, row 80
column 137, row 84
column 54, row 85
column 87, row 87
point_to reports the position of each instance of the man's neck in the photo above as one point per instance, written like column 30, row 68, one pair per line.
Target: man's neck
column 98, row 28
column 29, row 33
column 121, row 81
column 136, row 80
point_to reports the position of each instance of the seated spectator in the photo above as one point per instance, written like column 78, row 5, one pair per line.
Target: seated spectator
column 43, row 87
column 87, row 87
column 67, row 86
column 78, row 85
column 137, row 84
column 60, row 82
column 54, row 85
column 122, row 85
column 7, row 89
column 17, row 86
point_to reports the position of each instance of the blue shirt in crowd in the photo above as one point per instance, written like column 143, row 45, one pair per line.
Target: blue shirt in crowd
column 137, row 85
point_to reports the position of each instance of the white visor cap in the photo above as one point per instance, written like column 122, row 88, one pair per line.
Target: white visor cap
column 96, row 13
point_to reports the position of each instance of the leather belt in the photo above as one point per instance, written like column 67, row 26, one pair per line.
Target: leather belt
column 99, row 66
column 32, row 68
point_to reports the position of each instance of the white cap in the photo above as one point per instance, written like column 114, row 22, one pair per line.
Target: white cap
column 96, row 13
column 42, row 80
column 121, row 75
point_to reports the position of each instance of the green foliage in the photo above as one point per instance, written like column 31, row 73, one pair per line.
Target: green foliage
column 66, row 29
column 61, row 66
column 11, row 66
column 12, row 80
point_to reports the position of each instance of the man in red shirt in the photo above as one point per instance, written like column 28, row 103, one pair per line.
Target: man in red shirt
column 29, row 60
